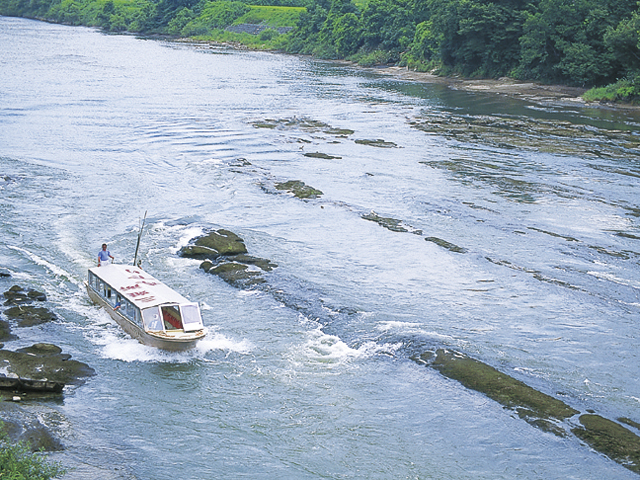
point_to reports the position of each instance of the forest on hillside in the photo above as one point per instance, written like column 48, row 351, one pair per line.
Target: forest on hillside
column 588, row 43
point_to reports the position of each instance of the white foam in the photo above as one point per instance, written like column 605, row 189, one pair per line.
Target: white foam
column 409, row 328
column 187, row 235
column 330, row 350
column 117, row 345
column 48, row 265
column 613, row 278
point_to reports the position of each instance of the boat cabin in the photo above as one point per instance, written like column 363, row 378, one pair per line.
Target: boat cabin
column 146, row 302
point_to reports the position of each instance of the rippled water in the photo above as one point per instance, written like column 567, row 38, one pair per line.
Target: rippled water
column 520, row 247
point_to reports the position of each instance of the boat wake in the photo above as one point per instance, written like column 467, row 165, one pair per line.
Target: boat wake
column 54, row 269
column 116, row 345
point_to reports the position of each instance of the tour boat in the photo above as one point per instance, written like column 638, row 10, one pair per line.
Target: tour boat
column 146, row 308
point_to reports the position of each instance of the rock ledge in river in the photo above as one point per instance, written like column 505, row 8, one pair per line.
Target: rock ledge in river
column 17, row 295
column 224, row 255
column 41, row 367
column 214, row 244
column 28, row 315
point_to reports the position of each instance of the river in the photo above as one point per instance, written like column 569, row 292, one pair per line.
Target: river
column 518, row 246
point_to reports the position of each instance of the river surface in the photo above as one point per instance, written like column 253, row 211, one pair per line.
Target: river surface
column 522, row 253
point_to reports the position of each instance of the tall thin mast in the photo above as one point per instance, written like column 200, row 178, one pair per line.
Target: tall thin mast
column 135, row 257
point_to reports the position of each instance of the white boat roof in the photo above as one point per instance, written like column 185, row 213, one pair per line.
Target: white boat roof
column 138, row 286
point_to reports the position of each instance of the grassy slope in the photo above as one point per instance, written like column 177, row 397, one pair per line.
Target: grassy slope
column 272, row 16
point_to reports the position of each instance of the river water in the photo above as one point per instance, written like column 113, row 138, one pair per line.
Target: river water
column 310, row 375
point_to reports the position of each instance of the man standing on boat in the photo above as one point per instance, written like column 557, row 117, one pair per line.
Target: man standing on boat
column 104, row 257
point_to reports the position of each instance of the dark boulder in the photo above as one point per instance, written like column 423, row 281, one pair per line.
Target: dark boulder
column 261, row 263
column 41, row 367
column 214, row 244
column 225, row 255
column 5, row 332
column 236, row 274
column 300, row 189
column 17, row 295
column 28, row 315
column 21, row 425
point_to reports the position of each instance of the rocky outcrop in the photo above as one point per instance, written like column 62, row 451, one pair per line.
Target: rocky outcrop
column 41, row 367
column 17, row 295
column 225, row 255
column 26, row 426
column 214, row 244
column 299, row 189
column 539, row 409
column 29, row 315
column 21, row 311
column 5, row 332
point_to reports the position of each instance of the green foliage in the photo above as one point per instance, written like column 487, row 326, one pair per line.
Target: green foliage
column 17, row 462
column 473, row 37
column 565, row 41
column 625, row 90
column 268, row 34
column 274, row 16
column 182, row 18
column 255, row 42
column 216, row 14
column 388, row 25
column 423, row 52
column 624, row 41
column 371, row 59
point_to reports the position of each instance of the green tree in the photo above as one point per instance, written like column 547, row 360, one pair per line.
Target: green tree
column 565, row 41
column 388, row 25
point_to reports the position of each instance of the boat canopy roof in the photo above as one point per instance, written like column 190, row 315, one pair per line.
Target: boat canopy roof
column 138, row 286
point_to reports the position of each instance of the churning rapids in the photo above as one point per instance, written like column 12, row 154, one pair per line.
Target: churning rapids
column 504, row 230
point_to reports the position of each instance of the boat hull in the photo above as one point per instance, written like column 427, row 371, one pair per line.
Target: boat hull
column 168, row 343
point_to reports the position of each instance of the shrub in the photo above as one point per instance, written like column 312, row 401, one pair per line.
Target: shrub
column 17, row 462
column 624, row 90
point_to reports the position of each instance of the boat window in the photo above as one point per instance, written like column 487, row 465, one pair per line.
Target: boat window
column 191, row 317
column 110, row 294
column 128, row 309
column 151, row 319
column 171, row 317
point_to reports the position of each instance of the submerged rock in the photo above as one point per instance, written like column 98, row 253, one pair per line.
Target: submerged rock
column 537, row 408
column 5, row 332
column 4, row 273
column 23, row 426
column 236, row 274
column 377, row 143
column 392, row 224
column 262, row 263
column 447, row 245
column 42, row 367
column 498, row 386
column 29, row 316
column 325, row 156
column 610, row 438
column 302, row 123
column 17, row 295
column 299, row 189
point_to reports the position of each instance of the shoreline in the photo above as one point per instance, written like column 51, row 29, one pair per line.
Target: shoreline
column 534, row 92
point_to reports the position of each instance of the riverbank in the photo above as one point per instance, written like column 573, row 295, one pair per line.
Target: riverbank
column 530, row 91
column 534, row 92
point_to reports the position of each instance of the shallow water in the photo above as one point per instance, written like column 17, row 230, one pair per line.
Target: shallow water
column 310, row 375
